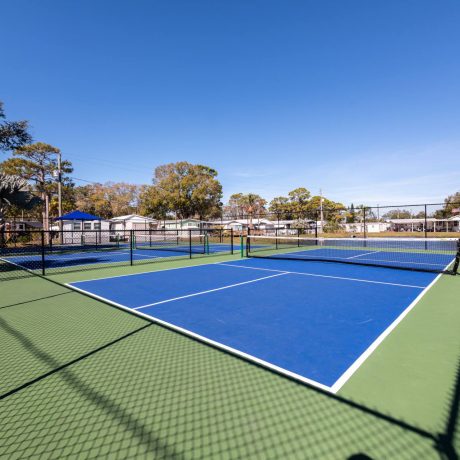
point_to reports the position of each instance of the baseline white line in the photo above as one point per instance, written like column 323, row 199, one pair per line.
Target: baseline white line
column 247, row 357
column 208, row 291
column 354, row 367
column 327, row 276
column 360, row 255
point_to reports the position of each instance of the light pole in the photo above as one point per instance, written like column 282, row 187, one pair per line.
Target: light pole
column 58, row 175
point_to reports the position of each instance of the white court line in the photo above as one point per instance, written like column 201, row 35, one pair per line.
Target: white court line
column 309, row 257
column 360, row 255
column 233, row 351
column 333, row 389
column 355, row 366
column 326, row 276
column 208, row 291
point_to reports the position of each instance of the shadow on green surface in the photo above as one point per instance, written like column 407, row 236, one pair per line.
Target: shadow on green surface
column 323, row 406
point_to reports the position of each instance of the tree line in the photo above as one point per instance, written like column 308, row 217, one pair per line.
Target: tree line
column 29, row 181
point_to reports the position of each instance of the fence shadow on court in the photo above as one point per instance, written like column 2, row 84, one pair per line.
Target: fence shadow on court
column 153, row 391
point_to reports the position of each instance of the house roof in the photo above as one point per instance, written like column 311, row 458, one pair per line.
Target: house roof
column 132, row 218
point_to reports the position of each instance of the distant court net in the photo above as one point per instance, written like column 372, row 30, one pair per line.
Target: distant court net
column 438, row 255
column 186, row 243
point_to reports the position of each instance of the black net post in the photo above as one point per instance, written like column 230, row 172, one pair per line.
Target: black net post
column 276, row 238
column 190, row 243
column 316, row 224
column 231, row 241
column 364, row 223
column 426, row 229
column 43, row 251
column 457, row 259
column 248, row 243
column 131, row 246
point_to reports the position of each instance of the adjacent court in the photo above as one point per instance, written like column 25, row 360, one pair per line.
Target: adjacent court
column 314, row 321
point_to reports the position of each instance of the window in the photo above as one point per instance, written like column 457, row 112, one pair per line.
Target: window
column 77, row 225
column 97, row 225
column 87, row 226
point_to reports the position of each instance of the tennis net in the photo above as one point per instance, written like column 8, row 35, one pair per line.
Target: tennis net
column 439, row 255
column 186, row 243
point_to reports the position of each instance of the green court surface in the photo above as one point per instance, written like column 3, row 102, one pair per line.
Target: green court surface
column 82, row 379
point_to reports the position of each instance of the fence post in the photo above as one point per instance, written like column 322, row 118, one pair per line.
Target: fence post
column 231, row 241
column 131, row 246
column 426, row 230
column 364, row 222
column 43, row 251
column 190, row 243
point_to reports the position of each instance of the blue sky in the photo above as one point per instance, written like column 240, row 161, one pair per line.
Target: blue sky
column 359, row 98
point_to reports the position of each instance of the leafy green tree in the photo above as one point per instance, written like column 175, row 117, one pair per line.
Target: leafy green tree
column 188, row 190
column 14, row 192
column 152, row 202
column 13, row 134
column 281, row 206
column 299, row 200
column 351, row 216
column 451, row 203
column 397, row 214
column 37, row 163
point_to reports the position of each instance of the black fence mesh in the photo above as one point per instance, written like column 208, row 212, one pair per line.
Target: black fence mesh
column 47, row 252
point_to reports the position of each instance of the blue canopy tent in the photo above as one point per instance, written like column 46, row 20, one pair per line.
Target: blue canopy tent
column 78, row 216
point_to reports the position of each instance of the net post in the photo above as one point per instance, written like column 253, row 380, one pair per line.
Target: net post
column 231, row 240
column 241, row 246
column 131, row 246
column 276, row 238
column 43, row 251
column 364, row 222
column 457, row 259
column 316, row 224
column 190, row 243
column 248, row 243
column 298, row 237
column 426, row 230
column 206, row 243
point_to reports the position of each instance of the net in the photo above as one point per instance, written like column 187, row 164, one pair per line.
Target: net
column 439, row 255
column 186, row 243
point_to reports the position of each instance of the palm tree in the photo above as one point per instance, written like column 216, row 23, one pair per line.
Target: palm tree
column 14, row 191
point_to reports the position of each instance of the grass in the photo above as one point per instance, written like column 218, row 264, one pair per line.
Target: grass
column 81, row 379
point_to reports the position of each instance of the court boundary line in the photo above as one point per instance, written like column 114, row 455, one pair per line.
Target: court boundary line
column 360, row 255
column 210, row 290
column 338, row 384
column 327, row 276
column 185, row 332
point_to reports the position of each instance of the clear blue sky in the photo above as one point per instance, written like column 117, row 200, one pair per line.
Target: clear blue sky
column 360, row 98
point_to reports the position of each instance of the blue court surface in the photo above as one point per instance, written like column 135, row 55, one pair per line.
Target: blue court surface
column 314, row 321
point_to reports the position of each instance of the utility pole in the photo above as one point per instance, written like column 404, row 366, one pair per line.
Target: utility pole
column 58, row 175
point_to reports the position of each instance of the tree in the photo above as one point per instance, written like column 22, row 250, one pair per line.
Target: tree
column 13, row 134
column 187, row 190
column 451, row 203
column 37, row 163
column 152, row 202
column 281, row 206
column 351, row 216
column 14, row 191
column 397, row 214
column 299, row 199
column 249, row 204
